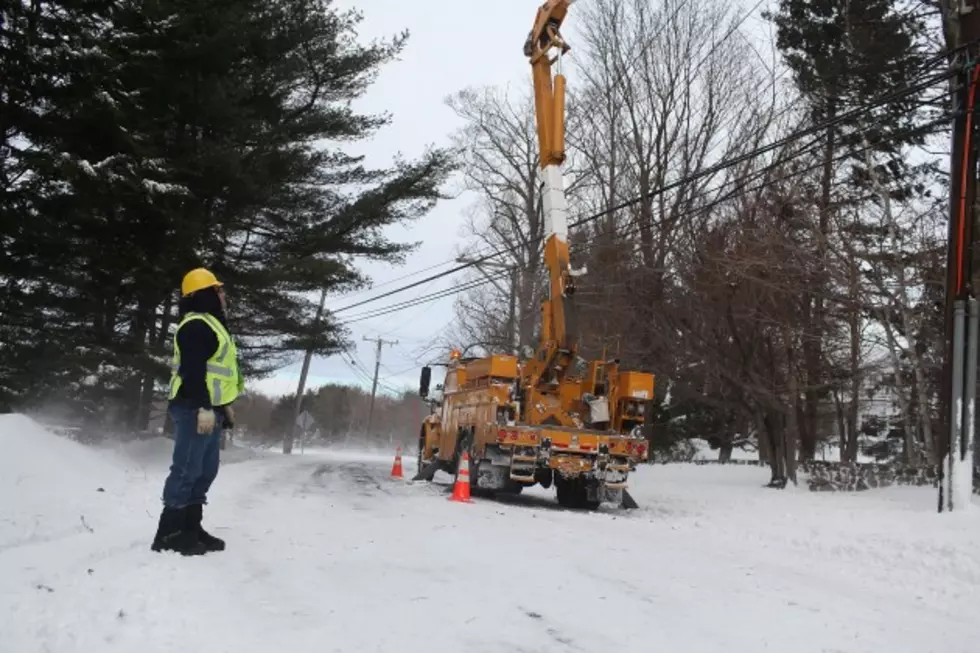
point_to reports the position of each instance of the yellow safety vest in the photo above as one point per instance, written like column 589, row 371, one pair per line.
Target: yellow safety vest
column 223, row 378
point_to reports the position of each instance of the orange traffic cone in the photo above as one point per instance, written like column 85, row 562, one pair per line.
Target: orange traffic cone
column 396, row 469
column 461, row 490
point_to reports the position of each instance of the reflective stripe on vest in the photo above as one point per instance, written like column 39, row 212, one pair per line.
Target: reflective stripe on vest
column 222, row 376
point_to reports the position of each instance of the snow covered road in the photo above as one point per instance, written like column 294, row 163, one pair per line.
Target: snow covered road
column 326, row 553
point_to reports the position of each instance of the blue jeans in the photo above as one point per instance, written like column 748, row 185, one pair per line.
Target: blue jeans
column 195, row 460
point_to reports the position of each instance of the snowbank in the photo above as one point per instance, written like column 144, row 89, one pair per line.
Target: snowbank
column 51, row 486
column 885, row 533
column 328, row 553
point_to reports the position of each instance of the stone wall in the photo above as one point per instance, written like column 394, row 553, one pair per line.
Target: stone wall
column 824, row 476
column 850, row 477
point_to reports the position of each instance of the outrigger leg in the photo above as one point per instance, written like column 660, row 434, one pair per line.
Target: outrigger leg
column 428, row 472
column 628, row 502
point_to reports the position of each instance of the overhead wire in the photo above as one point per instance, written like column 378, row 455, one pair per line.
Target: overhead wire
column 385, row 310
column 646, row 47
column 401, row 278
column 741, row 189
column 765, row 149
column 405, row 319
column 355, row 367
column 710, row 170
column 910, row 89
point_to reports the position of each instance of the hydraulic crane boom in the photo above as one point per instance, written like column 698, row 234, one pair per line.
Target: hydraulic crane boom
column 549, row 101
column 549, row 93
column 554, row 418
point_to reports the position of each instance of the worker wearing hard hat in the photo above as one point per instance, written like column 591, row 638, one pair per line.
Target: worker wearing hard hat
column 204, row 383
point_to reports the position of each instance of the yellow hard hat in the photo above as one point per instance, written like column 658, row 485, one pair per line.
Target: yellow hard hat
column 198, row 279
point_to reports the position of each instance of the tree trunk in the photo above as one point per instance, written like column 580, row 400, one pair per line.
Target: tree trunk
column 146, row 402
column 904, row 402
column 812, row 345
column 771, row 429
column 725, row 451
column 842, row 435
column 848, row 452
column 762, row 436
column 791, row 426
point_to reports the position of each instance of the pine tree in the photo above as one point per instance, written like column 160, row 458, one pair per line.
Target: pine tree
column 842, row 55
column 52, row 88
column 198, row 134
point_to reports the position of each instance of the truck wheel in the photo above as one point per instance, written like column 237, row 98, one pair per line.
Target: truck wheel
column 565, row 488
column 573, row 493
column 545, row 477
column 590, row 487
column 511, row 487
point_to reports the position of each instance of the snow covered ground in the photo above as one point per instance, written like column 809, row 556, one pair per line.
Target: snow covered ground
column 326, row 553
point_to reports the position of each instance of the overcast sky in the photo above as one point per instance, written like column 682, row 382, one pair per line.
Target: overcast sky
column 452, row 45
column 441, row 57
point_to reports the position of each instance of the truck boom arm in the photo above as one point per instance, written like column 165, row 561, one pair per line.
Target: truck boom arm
column 549, row 103
column 549, row 91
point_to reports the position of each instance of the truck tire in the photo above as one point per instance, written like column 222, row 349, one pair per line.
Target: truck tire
column 545, row 477
column 587, row 503
column 511, row 487
column 573, row 493
column 565, row 491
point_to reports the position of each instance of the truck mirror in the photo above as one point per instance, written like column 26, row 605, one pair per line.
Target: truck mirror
column 424, row 381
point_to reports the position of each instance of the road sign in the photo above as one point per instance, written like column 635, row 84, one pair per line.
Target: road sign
column 305, row 421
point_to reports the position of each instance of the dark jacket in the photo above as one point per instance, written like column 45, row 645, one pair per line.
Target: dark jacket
column 197, row 344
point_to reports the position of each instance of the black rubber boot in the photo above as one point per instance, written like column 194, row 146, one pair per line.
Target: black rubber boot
column 195, row 514
column 173, row 534
column 170, row 523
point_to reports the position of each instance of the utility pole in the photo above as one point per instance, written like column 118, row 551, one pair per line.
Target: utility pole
column 377, row 366
column 512, row 308
column 956, row 442
column 287, row 442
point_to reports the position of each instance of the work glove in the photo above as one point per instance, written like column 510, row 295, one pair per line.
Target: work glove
column 229, row 417
column 205, row 421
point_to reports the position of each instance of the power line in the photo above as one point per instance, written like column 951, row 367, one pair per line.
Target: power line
column 401, row 278
column 646, row 47
column 807, row 149
column 404, row 319
column 385, row 310
column 711, row 170
column 762, row 172
column 765, row 149
column 925, row 65
column 397, row 307
column 359, row 374
column 413, row 302
column 399, row 372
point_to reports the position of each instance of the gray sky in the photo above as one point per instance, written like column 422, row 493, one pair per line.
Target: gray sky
column 452, row 45
column 439, row 59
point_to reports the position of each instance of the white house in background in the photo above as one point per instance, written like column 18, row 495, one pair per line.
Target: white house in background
column 878, row 401
column 878, row 397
